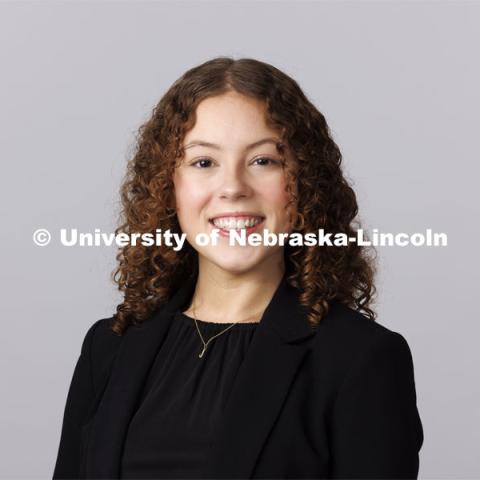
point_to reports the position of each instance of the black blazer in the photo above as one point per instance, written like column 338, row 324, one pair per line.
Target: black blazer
column 338, row 403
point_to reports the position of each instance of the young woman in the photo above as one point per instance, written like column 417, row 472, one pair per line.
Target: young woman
column 239, row 361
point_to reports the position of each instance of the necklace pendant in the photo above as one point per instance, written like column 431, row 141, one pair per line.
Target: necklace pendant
column 203, row 351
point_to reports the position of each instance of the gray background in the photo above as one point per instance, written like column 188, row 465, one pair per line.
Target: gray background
column 398, row 83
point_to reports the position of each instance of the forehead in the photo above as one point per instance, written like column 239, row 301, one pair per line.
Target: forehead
column 230, row 117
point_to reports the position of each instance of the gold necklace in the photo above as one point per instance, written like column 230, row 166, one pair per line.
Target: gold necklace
column 205, row 344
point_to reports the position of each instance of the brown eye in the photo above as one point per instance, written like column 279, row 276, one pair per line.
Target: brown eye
column 201, row 162
column 269, row 161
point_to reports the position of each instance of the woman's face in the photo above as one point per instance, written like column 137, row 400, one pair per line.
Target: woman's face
column 240, row 172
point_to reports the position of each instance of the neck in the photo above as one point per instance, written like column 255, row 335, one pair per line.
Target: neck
column 227, row 297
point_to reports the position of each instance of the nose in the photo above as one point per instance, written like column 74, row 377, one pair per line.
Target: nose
column 234, row 184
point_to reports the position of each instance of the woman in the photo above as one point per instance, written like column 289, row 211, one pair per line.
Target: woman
column 231, row 361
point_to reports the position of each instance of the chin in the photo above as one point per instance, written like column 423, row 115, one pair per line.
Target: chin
column 236, row 264
column 237, row 268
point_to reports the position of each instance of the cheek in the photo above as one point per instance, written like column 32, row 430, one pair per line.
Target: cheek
column 189, row 196
column 182, row 199
column 275, row 194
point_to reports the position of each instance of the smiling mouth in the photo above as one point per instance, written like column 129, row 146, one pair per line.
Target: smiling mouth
column 225, row 225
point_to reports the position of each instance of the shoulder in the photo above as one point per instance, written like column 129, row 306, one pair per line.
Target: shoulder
column 371, row 393
column 351, row 327
column 100, row 346
column 100, row 336
column 346, row 338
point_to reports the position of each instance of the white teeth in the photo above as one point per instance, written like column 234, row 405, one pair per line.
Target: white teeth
column 236, row 223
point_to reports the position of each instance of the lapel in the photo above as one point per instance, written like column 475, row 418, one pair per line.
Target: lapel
column 261, row 385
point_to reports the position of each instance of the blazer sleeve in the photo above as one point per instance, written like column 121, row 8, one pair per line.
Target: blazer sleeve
column 376, row 427
column 79, row 399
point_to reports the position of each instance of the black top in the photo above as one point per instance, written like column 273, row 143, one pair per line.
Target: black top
column 337, row 402
column 183, row 398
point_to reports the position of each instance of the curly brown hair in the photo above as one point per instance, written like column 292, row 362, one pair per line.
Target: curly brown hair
column 321, row 197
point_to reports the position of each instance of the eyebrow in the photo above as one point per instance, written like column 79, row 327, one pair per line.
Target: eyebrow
column 202, row 143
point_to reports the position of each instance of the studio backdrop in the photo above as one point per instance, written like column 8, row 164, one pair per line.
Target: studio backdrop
column 398, row 84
